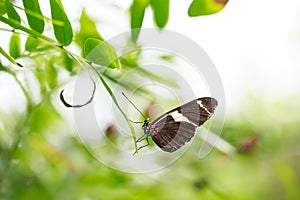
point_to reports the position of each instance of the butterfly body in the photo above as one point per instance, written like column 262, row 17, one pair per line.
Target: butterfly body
column 175, row 128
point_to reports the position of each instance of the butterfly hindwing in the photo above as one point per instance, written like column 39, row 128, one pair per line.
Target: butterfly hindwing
column 173, row 135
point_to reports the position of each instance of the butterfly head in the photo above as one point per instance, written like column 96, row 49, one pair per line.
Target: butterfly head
column 146, row 126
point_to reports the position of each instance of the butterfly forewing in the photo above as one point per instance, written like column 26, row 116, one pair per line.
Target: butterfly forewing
column 175, row 128
column 196, row 111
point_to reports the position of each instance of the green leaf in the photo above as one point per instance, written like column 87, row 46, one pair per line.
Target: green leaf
column 68, row 62
column 15, row 46
column 2, row 7
column 8, row 57
column 137, row 12
column 1, row 66
column 101, row 53
column 51, row 73
column 43, row 116
column 11, row 12
column 87, row 30
column 63, row 32
column 34, row 15
column 31, row 44
column 206, row 7
column 160, row 11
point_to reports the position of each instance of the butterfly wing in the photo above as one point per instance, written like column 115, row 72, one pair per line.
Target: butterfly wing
column 178, row 126
column 172, row 135
column 197, row 111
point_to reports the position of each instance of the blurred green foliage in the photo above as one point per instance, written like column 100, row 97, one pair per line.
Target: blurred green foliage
column 270, row 169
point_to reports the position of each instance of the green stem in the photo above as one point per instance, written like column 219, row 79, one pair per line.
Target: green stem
column 118, row 106
column 27, row 96
column 39, row 16
column 16, row 25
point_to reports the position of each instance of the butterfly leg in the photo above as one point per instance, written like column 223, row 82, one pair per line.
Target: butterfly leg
column 141, row 138
column 142, row 146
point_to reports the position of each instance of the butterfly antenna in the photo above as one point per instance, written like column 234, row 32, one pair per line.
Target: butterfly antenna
column 135, row 122
column 133, row 105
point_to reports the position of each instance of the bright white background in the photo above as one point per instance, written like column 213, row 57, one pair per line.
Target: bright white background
column 254, row 44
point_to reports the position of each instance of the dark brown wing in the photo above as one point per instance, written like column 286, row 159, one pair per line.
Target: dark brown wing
column 173, row 135
column 178, row 126
column 196, row 111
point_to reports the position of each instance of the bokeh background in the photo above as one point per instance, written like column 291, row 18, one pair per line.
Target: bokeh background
column 255, row 46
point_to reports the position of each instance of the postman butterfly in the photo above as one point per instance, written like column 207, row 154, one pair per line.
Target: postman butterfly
column 176, row 127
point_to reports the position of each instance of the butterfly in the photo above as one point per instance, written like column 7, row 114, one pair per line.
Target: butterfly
column 176, row 127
